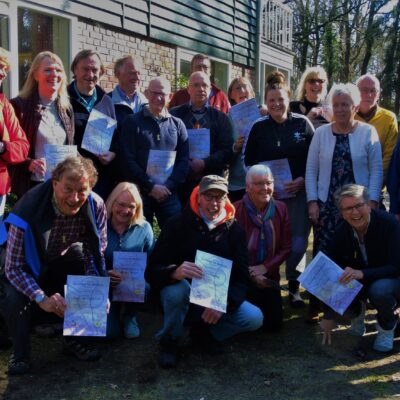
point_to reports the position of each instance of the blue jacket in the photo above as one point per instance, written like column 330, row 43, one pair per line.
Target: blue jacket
column 141, row 133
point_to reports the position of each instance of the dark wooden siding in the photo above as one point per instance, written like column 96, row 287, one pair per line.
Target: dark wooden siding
column 220, row 28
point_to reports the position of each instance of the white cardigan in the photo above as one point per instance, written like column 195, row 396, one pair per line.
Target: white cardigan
column 366, row 156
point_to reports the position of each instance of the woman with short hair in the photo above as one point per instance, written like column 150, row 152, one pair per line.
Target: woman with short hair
column 343, row 152
column 266, row 223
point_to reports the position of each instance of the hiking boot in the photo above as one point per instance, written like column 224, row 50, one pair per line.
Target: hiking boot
column 357, row 327
column 131, row 327
column 384, row 340
column 168, row 357
column 80, row 350
column 18, row 367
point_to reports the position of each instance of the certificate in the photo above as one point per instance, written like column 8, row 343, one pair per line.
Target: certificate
column 86, row 312
column 281, row 171
column 199, row 143
column 211, row 291
column 244, row 115
column 98, row 133
column 321, row 278
column 131, row 266
column 56, row 153
column 160, row 165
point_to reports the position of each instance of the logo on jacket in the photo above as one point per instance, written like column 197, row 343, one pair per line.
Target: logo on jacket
column 298, row 137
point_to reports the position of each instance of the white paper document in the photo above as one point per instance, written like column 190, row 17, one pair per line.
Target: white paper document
column 131, row 266
column 56, row 153
column 211, row 291
column 281, row 171
column 98, row 132
column 199, row 143
column 160, row 165
column 244, row 115
column 321, row 278
column 86, row 312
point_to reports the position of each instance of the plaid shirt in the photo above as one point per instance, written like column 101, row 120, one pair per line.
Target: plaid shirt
column 65, row 231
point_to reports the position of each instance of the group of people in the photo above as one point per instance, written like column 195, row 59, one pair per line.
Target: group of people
column 338, row 150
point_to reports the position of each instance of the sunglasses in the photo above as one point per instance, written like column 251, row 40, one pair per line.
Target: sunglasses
column 314, row 81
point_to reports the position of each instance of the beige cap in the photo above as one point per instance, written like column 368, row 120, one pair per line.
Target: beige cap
column 209, row 182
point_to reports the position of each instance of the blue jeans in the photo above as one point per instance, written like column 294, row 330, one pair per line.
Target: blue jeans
column 175, row 302
column 164, row 210
column 384, row 295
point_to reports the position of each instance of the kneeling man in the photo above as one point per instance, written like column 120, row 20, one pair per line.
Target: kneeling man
column 207, row 224
column 56, row 229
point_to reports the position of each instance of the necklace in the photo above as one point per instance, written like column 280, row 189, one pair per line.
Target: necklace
column 346, row 130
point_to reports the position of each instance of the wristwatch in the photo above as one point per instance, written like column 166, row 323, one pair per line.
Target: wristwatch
column 39, row 298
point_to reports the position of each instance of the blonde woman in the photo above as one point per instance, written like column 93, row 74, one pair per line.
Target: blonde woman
column 310, row 96
column 127, row 230
column 46, row 115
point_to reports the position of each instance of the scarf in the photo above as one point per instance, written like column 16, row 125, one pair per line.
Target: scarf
column 264, row 238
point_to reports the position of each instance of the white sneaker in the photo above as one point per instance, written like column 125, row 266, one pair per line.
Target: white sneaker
column 384, row 340
column 357, row 327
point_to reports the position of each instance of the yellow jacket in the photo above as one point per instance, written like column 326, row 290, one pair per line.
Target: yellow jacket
column 385, row 123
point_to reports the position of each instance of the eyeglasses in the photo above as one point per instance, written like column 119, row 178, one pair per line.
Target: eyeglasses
column 130, row 207
column 214, row 197
column 368, row 91
column 314, row 81
column 262, row 183
column 349, row 210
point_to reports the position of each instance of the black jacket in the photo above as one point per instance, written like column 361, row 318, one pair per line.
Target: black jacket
column 186, row 233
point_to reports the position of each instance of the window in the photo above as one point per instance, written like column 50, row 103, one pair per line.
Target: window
column 38, row 32
column 220, row 70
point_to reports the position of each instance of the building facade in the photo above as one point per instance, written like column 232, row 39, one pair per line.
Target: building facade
column 242, row 37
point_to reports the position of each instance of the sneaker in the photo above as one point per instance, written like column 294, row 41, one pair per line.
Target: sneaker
column 295, row 300
column 131, row 327
column 80, row 350
column 168, row 357
column 384, row 340
column 19, row 367
column 357, row 327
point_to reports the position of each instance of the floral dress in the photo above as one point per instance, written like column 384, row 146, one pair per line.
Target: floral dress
column 342, row 174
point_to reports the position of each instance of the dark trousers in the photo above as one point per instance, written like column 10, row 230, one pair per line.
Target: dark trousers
column 269, row 301
column 16, row 307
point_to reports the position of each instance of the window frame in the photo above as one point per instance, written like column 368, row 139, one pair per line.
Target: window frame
column 13, row 7
column 187, row 55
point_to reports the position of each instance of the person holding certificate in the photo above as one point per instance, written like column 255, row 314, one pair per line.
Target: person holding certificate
column 127, row 231
column 45, row 113
column 240, row 90
column 200, row 117
column 283, row 136
column 89, row 101
column 58, row 228
column 154, row 153
column 311, row 93
column 267, row 227
column 366, row 245
column 207, row 225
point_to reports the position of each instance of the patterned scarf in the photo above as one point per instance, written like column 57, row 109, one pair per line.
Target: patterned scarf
column 263, row 238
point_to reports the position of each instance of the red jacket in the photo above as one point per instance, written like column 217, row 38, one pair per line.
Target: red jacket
column 218, row 100
column 15, row 141
column 283, row 238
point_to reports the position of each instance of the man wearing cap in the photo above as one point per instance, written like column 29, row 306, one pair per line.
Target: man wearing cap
column 206, row 224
